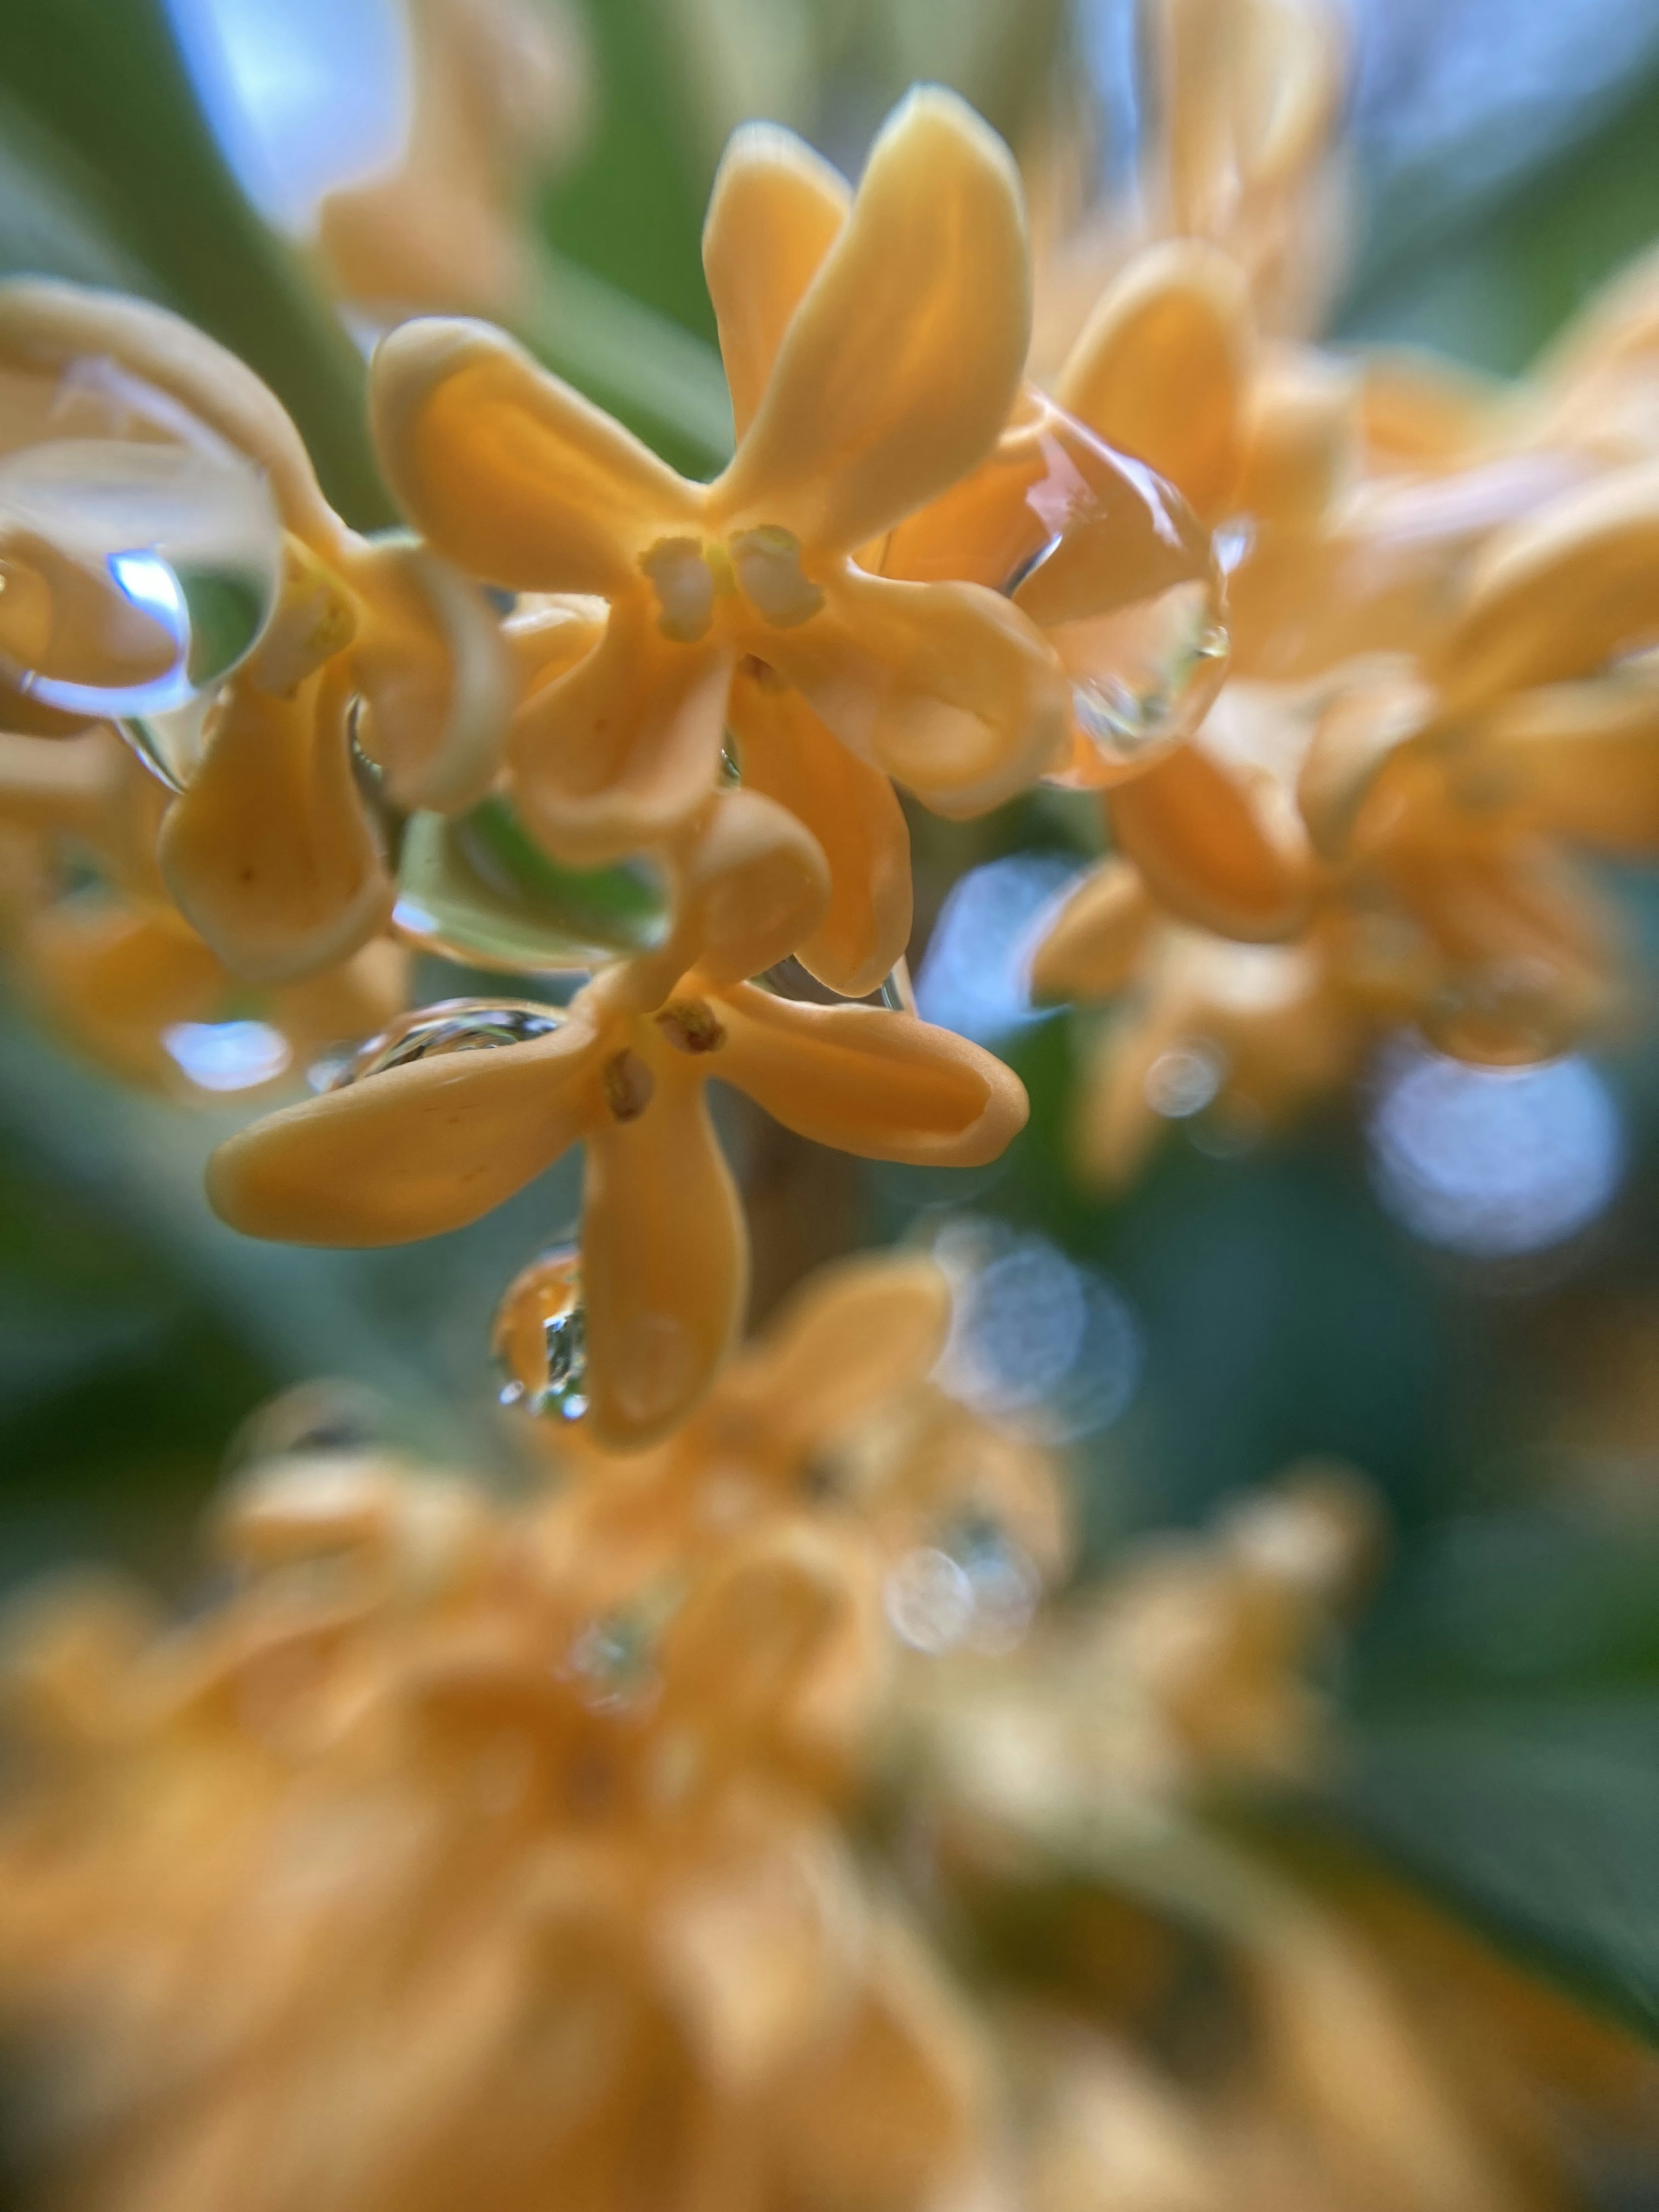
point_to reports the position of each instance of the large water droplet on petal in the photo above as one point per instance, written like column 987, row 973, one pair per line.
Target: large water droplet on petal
column 539, row 1339
column 450, row 1025
column 1110, row 563
column 477, row 887
column 140, row 556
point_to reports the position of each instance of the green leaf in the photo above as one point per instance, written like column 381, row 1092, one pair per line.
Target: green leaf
column 102, row 81
column 1503, row 1744
column 1541, row 1827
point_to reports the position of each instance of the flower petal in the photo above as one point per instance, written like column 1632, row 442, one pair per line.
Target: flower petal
column 881, row 1085
column 1559, row 593
column 114, row 977
column 509, row 473
column 898, row 369
column 1359, row 732
column 47, row 324
column 1585, row 758
column 1159, row 371
column 1097, row 938
column 774, row 214
column 1221, row 849
column 752, row 889
column 852, row 811
column 618, row 752
column 439, row 681
column 854, row 1335
column 269, row 853
column 945, row 687
column 414, row 1150
column 664, row 1262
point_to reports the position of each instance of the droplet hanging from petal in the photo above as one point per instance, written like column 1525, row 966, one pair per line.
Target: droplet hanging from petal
column 1110, row 563
column 450, row 1025
column 539, row 1338
column 477, row 887
column 140, row 556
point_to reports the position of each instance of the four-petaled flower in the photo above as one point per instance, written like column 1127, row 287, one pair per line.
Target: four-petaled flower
column 872, row 351
column 432, row 1143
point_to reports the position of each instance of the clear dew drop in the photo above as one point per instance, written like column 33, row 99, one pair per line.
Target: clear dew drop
column 140, row 556
column 478, row 888
column 539, row 1339
column 450, row 1025
column 976, row 1590
column 1503, row 1013
column 1110, row 563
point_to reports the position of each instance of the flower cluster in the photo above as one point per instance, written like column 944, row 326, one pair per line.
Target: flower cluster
column 461, row 1847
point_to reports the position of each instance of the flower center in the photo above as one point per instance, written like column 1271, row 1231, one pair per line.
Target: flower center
column 689, row 577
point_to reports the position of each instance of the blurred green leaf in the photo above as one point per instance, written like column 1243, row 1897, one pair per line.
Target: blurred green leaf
column 103, row 81
column 1503, row 1742
column 1539, row 1826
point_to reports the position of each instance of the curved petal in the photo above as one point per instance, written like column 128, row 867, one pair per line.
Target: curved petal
column 752, row 889
column 1585, row 758
column 881, row 1085
column 47, row 324
column 1301, row 439
column 1353, row 741
column 1091, row 949
column 945, row 687
column 269, row 853
column 897, row 371
column 1559, row 594
column 508, row 472
column 774, row 214
column 439, row 682
column 1159, row 371
column 855, row 1333
column 1214, row 849
column 619, row 752
column 414, row 1150
column 852, row 811
column 664, row 1262
column 114, row 977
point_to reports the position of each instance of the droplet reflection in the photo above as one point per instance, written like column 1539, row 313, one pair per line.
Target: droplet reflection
column 540, row 1340
column 228, row 1055
column 1494, row 1163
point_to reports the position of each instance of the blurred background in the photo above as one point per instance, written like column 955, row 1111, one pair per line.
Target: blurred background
column 1450, row 1279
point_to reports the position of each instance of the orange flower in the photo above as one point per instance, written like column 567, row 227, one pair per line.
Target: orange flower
column 872, row 351
column 128, row 420
column 440, row 1140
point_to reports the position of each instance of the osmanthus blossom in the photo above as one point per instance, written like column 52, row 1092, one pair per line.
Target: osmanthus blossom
column 872, row 347
column 113, row 966
column 427, row 1145
column 393, row 1878
column 829, row 1415
column 370, row 647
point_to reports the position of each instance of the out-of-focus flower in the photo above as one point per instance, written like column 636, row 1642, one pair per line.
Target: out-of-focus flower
column 498, row 98
column 462, row 1846
column 423, row 1132
column 872, row 351
column 444, row 1901
column 171, row 563
column 103, row 955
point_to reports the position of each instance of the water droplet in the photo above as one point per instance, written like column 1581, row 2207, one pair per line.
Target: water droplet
column 610, row 1661
column 539, row 1338
column 140, row 555
column 929, row 1601
column 1110, row 563
column 1004, row 1585
column 450, row 1025
column 1503, row 1013
column 237, row 1056
column 172, row 742
column 1183, row 1080
column 477, row 887
column 787, row 978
